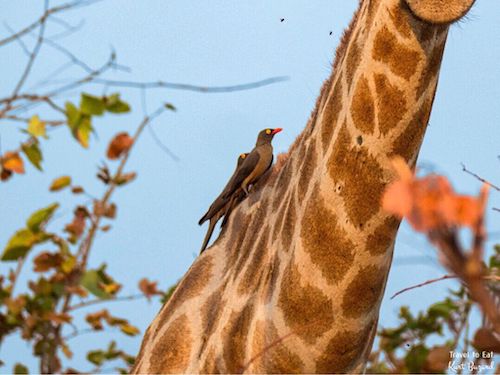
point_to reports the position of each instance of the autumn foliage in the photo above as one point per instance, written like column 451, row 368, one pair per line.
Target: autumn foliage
column 431, row 206
column 429, row 203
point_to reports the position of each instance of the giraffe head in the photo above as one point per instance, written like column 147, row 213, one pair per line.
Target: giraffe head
column 439, row 11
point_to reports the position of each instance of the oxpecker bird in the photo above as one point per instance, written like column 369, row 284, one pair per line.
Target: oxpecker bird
column 258, row 161
column 219, row 207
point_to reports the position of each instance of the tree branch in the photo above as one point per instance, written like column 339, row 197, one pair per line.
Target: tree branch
column 44, row 16
column 195, row 88
column 97, row 301
column 479, row 178
column 431, row 281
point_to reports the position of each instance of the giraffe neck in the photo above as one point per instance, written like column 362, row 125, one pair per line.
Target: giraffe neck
column 295, row 281
column 375, row 105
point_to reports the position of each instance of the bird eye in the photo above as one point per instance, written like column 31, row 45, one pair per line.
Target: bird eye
column 243, row 156
column 268, row 131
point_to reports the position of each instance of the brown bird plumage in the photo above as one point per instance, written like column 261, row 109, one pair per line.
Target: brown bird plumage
column 219, row 207
column 258, row 161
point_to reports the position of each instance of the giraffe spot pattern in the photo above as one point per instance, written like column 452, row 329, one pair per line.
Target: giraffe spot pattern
column 391, row 104
column 312, row 122
column 408, row 142
column 325, row 241
column 238, row 232
column 363, row 292
column 401, row 18
column 306, row 310
column 212, row 364
column 342, row 351
column 258, row 217
column 190, row 286
column 138, row 360
column 331, row 114
column 256, row 268
column 271, row 279
column 352, row 61
column 401, row 60
column 429, row 33
column 378, row 242
column 431, row 69
column 282, row 183
column 171, row 352
column 210, row 311
column 280, row 217
column 273, row 359
column 235, row 336
column 288, row 225
column 363, row 107
column 361, row 175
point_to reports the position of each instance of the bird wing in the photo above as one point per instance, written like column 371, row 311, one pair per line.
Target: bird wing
column 242, row 172
column 222, row 199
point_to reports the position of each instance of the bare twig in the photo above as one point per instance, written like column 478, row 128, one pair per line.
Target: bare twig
column 44, row 16
column 431, row 281
column 279, row 340
column 79, row 332
column 17, row 272
column 34, row 53
column 188, row 87
column 26, row 120
column 479, row 178
column 161, row 145
column 97, row 301
column 19, row 40
column 266, row 348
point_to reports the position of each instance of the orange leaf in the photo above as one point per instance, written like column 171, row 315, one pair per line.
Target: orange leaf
column 149, row 288
column 45, row 261
column 397, row 199
column 58, row 318
column 404, row 172
column 4, row 174
column 77, row 226
column 119, row 145
column 13, row 162
column 95, row 319
column 78, row 290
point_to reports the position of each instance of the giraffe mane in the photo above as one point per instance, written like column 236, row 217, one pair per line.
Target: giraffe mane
column 339, row 55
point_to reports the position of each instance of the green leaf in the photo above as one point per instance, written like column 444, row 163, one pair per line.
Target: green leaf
column 68, row 264
column 129, row 330
column 170, row 107
column 72, row 115
column 20, row 369
column 36, row 127
column 415, row 358
column 19, row 244
column 91, row 281
column 83, row 130
column 443, row 309
column 97, row 357
column 33, row 154
column 40, row 217
column 495, row 258
column 60, row 183
column 91, row 105
column 115, row 105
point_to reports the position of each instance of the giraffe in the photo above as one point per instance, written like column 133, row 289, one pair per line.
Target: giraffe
column 295, row 281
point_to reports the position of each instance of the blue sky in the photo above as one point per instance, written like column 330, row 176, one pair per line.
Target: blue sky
column 221, row 43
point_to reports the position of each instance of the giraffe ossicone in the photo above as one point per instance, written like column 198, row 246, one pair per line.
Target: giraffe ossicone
column 295, row 282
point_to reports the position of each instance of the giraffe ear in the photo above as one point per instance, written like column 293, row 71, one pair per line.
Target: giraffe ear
column 440, row 11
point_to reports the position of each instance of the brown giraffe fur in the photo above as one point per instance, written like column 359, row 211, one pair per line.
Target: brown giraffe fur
column 295, row 281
